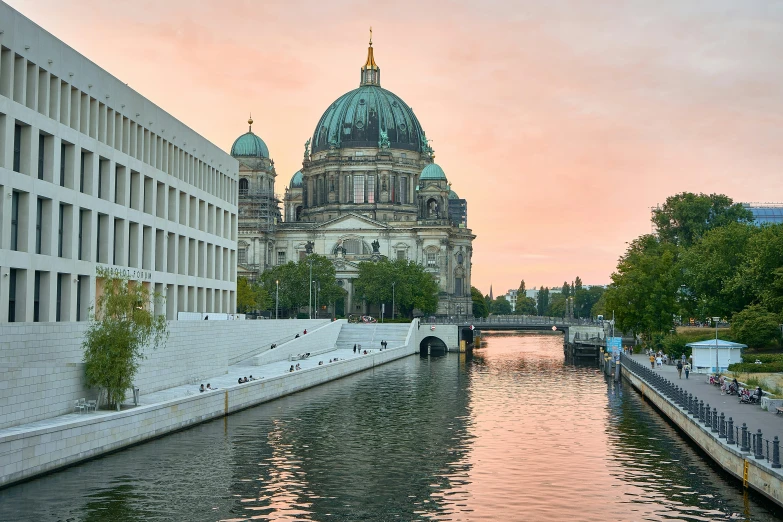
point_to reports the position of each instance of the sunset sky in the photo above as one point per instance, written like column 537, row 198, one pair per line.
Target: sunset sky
column 561, row 122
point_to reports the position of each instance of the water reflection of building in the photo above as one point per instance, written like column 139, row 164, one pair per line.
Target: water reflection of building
column 368, row 173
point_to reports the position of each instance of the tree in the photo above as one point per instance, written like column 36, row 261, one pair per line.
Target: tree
column 479, row 304
column 251, row 296
column 577, row 284
column 686, row 217
column 501, row 306
column 122, row 323
column 566, row 290
column 759, row 278
column 643, row 290
column 521, row 296
column 557, row 305
column 543, row 301
column 526, row 306
column 413, row 286
column 755, row 326
column 584, row 300
column 709, row 269
column 295, row 290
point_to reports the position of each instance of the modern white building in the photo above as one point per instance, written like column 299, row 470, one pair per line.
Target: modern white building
column 92, row 174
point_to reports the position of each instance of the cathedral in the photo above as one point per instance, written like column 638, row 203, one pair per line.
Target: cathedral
column 368, row 188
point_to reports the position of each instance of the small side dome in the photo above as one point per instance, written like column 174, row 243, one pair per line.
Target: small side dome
column 296, row 180
column 433, row 172
column 249, row 145
column 453, row 195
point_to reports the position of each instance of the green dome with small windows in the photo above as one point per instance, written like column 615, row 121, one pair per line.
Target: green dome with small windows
column 296, row 180
column 249, row 145
column 433, row 172
column 453, row 195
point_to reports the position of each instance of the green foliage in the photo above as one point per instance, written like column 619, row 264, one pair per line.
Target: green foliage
column 686, row 217
column 294, row 290
column 755, row 326
column 744, row 367
column 585, row 300
column 413, row 286
column 760, row 276
column 577, row 284
column 566, row 289
column 543, row 301
column 521, row 296
column 479, row 304
column 557, row 305
column 643, row 290
column 252, row 296
column 526, row 306
column 501, row 306
column 122, row 323
column 674, row 346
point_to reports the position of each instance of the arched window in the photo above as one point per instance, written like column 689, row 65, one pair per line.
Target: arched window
column 242, row 254
column 244, row 187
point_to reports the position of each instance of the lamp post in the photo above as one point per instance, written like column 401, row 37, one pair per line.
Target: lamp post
column 395, row 282
column 715, row 320
column 277, row 297
column 310, row 289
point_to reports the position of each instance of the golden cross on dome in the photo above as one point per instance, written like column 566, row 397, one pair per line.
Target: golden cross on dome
column 370, row 36
column 250, row 123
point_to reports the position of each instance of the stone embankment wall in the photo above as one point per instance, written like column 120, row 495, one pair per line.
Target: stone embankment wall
column 41, row 369
column 27, row 453
column 760, row 477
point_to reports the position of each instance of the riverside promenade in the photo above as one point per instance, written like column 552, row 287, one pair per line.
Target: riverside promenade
column 42, row 446
column 743, row 439
column 752, row 415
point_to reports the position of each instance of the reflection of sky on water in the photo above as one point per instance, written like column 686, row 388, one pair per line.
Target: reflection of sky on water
column 510, row 434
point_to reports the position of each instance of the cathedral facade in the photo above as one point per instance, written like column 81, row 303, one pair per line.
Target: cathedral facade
column 368, row 177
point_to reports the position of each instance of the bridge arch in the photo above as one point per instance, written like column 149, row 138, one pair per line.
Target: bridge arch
column 431, row 344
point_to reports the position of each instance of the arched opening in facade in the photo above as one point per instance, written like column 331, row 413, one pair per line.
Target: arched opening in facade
column 432, row 344
column 244, row 187
column 298, row 212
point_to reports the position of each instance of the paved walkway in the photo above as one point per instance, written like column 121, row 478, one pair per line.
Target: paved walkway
column 220, row 382
column 751, row 414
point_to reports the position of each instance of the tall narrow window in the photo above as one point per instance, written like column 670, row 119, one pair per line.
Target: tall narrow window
column 14, row 220
column 242, row 255
column 17, row 148
column 458, row 286
column 41, row 152
column 81, row 174
column 244, row 187
column 370, row 189
column 403, row 197
column 62, row 164
column 38, row 223
column 81, row 228
column 98, row 239
column 60, row 231
column 358, row 188
column 78, row 298
column 60, row 278
column 37, row 297
column 431, row 261
column 12, row 295
column 100, row 178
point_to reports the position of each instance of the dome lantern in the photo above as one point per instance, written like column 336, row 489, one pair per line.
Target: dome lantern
column 371, row 73
column 249, row 145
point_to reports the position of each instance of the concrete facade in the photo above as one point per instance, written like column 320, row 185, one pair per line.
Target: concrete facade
column 31, row 450
column 42, row 374
column 92, row 174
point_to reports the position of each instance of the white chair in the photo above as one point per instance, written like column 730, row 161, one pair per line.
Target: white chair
column 91, row 405
column 79, row 405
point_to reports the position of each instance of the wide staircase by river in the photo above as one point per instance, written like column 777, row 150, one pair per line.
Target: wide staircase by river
column 371, row 335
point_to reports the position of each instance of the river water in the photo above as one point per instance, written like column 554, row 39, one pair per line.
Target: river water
column 512, row 433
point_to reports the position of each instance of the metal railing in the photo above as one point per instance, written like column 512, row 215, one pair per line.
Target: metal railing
column 712, row 421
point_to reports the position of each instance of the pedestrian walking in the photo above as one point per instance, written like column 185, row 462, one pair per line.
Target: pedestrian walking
column 652, row 361
column 687, row 370
column 679, row 369
column 354, row 348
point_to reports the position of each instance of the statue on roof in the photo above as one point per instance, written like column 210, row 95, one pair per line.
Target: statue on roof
column 425, row 144
column 376, row 246
column 384, row 143
column 309, row 247
column 307, row 150
column 333, row 142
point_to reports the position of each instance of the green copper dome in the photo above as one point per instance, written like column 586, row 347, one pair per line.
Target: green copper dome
column 453, row 195
column 296, row 180
column 433, row 172
column 357, row 118
column 249, row 145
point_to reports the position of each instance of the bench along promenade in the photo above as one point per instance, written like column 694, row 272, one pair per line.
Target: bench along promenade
column 742, row 438
column 32, row 448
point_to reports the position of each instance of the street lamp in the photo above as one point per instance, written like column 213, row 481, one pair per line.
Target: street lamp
column 310, row 289
column 717, row 368
column 277, row 297
column 395, row 282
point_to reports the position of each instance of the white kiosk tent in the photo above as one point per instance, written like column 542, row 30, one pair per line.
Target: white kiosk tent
column 705, row 354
